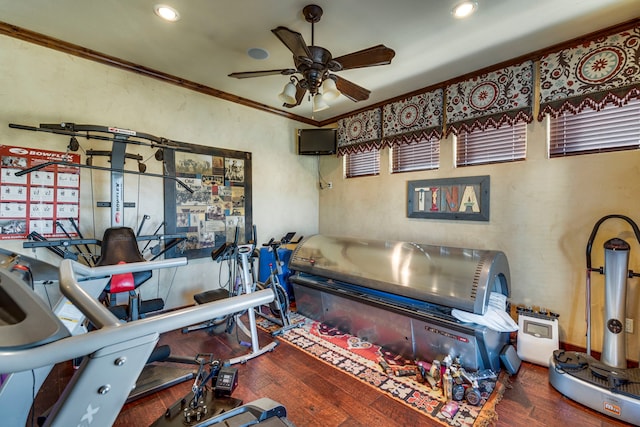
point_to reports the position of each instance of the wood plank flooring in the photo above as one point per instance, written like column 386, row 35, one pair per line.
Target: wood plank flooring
column 316, row 395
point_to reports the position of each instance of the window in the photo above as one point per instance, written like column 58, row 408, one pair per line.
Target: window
column 611, row 129
column 362, row 164
column 417, row 156
column 505, row 144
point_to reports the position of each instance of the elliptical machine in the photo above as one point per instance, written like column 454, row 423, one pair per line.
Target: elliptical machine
column 605, row 385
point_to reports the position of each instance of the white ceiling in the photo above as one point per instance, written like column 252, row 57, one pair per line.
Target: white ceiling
column 212, row 37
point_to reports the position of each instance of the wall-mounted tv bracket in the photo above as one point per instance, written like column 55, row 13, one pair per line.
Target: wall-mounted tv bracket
column 119, row 138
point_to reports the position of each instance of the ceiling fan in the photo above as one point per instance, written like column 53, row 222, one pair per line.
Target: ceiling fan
column 316, row 66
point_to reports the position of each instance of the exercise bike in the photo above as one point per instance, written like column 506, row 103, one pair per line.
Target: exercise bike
column 241, row 261
column 245, row 252
column 280, row 307
column 240, row 282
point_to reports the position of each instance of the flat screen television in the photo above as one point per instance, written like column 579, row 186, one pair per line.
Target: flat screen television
column 317, row 142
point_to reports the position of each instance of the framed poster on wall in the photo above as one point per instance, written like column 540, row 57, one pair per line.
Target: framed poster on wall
column 43, row 201
column 214, row 204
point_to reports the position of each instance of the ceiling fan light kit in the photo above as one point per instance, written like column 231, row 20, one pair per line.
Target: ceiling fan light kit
column 319, row 103
column 288, row 94
column 316, row 66
column 329, row 90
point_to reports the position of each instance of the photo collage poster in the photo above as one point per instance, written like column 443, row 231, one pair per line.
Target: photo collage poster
column 215, row 211
column 43, row 201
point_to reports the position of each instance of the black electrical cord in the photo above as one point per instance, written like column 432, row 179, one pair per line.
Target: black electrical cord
column 46, row 292
column 173, row 278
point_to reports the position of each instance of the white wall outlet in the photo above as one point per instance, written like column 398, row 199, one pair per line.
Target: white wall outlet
column 628, row 325
column 329, row 185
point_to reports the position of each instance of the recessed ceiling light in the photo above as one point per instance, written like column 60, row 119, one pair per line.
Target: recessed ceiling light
column 166, row 12
column 464, row 9
column 257, row 53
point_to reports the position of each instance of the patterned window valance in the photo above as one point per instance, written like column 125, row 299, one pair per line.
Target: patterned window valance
column 491, row 99
column 413, row 119
column 360, row 132
column 591, row 74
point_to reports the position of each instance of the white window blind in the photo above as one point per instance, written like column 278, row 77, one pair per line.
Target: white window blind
column 422, row 155
column 613, row 128
column 505, row 144
column 362, row 164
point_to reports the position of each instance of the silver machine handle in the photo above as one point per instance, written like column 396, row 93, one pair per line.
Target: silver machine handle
column 111, row 329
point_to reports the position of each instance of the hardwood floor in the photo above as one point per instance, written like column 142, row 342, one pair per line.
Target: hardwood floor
column 315, row 394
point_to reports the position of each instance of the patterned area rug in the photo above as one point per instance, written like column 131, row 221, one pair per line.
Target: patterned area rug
column 361, row 360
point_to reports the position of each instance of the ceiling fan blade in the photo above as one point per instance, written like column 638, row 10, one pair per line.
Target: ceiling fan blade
column 293, row 41
column 300, row 91
column 376, row 55
column 351, row 90
column 249, row 74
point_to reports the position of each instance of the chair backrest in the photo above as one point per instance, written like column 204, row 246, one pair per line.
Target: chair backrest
column 119, row 244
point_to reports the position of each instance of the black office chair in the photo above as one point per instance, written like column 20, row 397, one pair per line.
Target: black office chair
column 119, row 245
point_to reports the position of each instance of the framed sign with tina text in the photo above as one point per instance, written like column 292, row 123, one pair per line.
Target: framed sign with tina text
column 464, row 198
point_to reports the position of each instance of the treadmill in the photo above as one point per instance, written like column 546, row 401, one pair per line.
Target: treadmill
column 33, row 338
